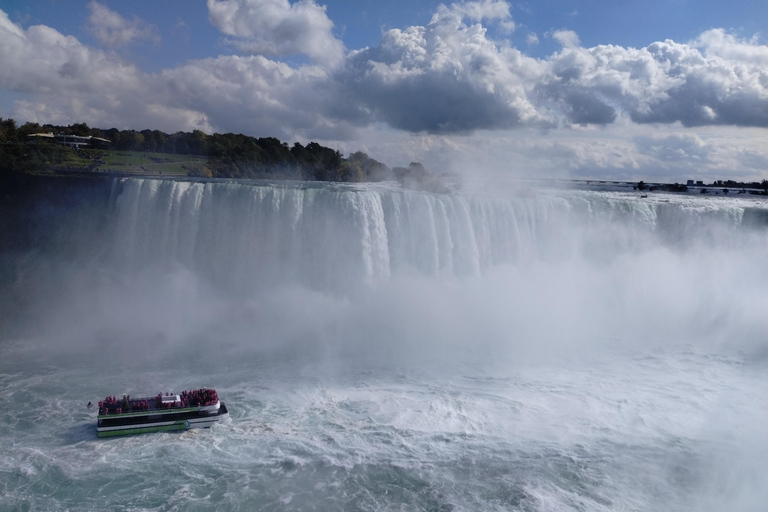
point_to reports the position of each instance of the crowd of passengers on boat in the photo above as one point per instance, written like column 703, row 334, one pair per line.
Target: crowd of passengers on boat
column 194, row 398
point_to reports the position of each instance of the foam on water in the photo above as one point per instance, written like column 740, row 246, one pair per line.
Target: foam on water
column 676, row 431
column 388, row 350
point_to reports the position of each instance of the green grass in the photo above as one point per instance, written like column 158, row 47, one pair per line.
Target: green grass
column 45, row 157
column 60, row 156
column 141, row 162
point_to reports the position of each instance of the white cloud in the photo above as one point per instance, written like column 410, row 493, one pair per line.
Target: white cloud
column 718, row 43
column 444, row 93
column 248, row 94
column 698, row 88
column 630, row 152
column 43, row 60
column 74, row 82
column 675, row 147
column 666, row 82
column 252, row 94
column 567, row 38
column 491, row 10
column 695, row 154
column 112, row 30
column 277, row 27
column 442, row 78
column 446, row 77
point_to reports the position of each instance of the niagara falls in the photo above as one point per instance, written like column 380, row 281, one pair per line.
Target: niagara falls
column 383, row 256
column 537, row 349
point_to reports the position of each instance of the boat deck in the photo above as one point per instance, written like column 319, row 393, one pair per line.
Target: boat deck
column 160, row 403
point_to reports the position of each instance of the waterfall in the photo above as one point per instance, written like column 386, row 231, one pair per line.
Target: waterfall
column 536, row 349
column 332, row 236
column 293, row 260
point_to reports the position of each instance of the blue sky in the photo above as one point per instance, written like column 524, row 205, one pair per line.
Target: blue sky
column 678, row 90
column 187, row 33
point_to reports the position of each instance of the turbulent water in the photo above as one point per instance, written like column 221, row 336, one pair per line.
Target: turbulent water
column 381, row 349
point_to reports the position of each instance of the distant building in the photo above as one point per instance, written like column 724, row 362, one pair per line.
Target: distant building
column 73, row 141
column 699, row 183
column 689, row 183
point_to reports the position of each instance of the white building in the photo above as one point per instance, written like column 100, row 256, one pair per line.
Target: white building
column 72, row 141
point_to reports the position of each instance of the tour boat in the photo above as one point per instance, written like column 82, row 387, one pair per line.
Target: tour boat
column 166, row 412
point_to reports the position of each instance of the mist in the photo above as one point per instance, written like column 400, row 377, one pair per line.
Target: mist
column 378, row 274
column 530, row 349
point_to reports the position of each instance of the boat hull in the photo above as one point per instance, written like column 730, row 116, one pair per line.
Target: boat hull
column 202, row 419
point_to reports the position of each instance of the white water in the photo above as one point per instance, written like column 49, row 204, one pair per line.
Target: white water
column 389, row 350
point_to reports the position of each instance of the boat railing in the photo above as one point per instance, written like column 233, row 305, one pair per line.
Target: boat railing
column 162, row 401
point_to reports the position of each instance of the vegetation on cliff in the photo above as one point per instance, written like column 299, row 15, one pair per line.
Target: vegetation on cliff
column 195, row 153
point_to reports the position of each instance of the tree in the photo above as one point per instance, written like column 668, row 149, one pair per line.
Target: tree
column 230, row 155
column 27, row 129
column 160, row 140
column 371, row 169
column 149, row 141
column 417, row 177
column 179, row 143
column 131, row 140
column 197, row 143
column 113, row 134
column 80, row 129
column 350, row 171
column 8, row 131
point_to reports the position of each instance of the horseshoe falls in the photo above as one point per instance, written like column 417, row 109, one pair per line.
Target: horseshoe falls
column 380, row 349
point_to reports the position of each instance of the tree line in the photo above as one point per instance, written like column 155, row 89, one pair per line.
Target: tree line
column 232, row 155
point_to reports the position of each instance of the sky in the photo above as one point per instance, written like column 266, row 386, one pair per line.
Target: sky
column 660, row 90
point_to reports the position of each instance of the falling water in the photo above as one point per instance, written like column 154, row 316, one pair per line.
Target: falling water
column 384, row 349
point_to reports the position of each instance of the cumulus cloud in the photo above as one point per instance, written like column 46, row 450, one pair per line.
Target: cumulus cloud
column 492, row 10
column 718, row 43
column 277, row 27
column 78, row 83
column 447, row 78
column 699, row 87
column 253, row 94
column 567, row 38
column 442, row 78
column 72, row 82
column 666, row 82
column 43, row 60
column 112, row 30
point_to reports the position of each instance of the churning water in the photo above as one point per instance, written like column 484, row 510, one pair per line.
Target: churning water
column 381, row 349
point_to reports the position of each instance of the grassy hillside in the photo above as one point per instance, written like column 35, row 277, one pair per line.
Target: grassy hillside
column 142, row 162
column 43, row 158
